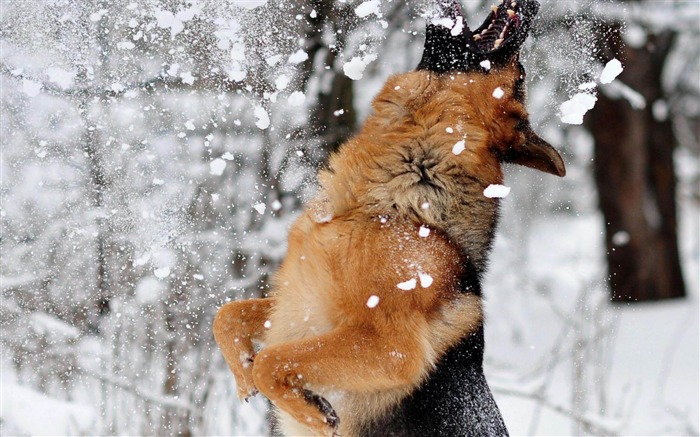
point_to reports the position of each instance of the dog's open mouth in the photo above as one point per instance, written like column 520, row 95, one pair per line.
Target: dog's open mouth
column 503, row 21
column 498, row 39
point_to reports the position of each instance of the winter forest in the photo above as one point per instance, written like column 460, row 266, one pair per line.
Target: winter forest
column 154, row 153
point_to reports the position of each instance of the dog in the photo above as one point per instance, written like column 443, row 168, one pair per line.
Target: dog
column 375, row 323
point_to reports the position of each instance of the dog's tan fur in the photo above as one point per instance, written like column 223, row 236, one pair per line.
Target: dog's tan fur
column 360, row 237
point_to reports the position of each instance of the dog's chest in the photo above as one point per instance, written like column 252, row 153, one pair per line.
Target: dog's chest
column 303, row 287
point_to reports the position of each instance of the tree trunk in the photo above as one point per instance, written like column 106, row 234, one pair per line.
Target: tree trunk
column 635, row 176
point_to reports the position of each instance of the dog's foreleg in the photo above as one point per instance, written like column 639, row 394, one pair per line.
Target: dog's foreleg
column 354, row 359
column 236, row 326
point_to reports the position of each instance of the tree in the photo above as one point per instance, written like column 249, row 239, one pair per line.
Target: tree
column 634, row 165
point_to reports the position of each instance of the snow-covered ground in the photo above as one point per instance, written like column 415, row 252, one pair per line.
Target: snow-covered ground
column 638, row 365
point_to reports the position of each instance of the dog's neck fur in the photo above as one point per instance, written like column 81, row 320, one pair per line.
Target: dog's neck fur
column 402, row 164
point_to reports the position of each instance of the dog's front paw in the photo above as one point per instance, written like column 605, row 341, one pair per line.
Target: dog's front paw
column 330, row 417
column 244, row 379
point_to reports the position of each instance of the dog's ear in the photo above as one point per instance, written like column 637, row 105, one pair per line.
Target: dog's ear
column 536, row 153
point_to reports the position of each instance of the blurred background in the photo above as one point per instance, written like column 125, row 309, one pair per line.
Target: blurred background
column 154, row 153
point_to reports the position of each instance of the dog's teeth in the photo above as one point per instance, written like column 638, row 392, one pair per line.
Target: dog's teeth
column 511, row 13
column 498, row 43
column 494, row 8
column 514, row 4
column 477, row 37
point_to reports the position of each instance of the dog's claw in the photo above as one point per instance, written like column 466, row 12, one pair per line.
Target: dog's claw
column 246, row 397
column 330, row 416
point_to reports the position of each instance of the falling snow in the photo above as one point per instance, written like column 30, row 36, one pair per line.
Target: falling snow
column 372, row 301
column 407, row 285
column 156, row 153
column 573, row 110
column 496, row 191
column 612, row 69
column 354, row 69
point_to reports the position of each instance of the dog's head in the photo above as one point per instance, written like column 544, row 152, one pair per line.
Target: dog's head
column 470, row 86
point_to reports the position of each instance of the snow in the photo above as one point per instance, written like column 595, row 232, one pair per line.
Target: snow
column 249, row 4
column 573, row 110
column 459, row 147
column 425, row 280
column 182, row 240
column 407, row 285
column 498, row 93
column 354, row 69
column 259, row 208
column 273, row 60
column 620, row 238
column 588, row 86
column 296, row 98
column 458, row 27
column 612, row 69
column 31, row 88
column 217, row 166
column 372, row 301
column 187, row 78
column 496, row 191
column 263, row 119
column 126, row 45
column 298, row 57
column 486, row 64
column 58, row 330
column 618, row 89
column 64, row 79
column 282, row 82
column 634, row 36
column 167, row 20
column 444, row 22
column 34, row 413
column 368, row 8
column 149, row 290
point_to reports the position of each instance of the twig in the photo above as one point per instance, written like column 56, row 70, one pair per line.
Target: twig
column 541, row 400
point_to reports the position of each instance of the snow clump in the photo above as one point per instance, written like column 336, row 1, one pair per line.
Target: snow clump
column 367, row 8
column 263, row 119
column 297, row 98
column 249, row 4
column 407, row 285
column 425, row 280
column 496, row 191
column 355, row 68
column 611, row 71
column 298, row 57
column 260, row 208
column 458, row 147
column 372, row 301
column 217, row 166
column 573, row 110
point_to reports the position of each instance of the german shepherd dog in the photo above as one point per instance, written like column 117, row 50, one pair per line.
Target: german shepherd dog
column 375, row 324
